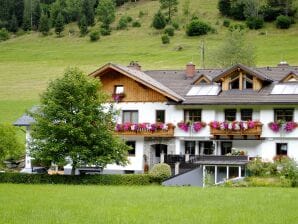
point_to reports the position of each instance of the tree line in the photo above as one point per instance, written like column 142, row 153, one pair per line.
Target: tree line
column 41, row 15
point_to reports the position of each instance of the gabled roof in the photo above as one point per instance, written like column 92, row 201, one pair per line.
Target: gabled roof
column 26, row 120
column 290, row 75
column 140, row 77
column 249, row 70
column 202, row 77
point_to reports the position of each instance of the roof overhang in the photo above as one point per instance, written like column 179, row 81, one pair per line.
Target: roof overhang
column 149, row 82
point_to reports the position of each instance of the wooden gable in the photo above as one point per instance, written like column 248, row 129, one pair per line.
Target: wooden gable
column 240, row 75
column 202, row 80
column 291, row 77
column 133, row 90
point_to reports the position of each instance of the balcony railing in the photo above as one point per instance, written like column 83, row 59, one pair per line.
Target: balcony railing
column 207, row 159
column 242, row 129
column 145, row 129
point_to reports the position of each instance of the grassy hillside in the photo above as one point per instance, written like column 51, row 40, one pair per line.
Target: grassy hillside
column 28, row 62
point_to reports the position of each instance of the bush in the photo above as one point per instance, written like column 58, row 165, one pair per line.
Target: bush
column 165, row 39
column 259, row 168
column 159, row 21
column 101, row 179
column 105, row 31
column 238, row 27
column 94, row 36
column 4, row 35
column 136, row 24
column 254, row 23
column 170, row 31
column 122, row 24
column 175, row 25
column 283, row 22
column 128, row 19
column 197, row 28
column 160, row 172
column 226, row 23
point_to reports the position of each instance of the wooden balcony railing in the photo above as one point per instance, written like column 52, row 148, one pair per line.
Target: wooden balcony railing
column 253, row 130
column 145, row 130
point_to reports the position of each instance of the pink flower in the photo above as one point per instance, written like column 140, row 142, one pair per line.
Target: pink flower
column 289, row 126
column 274, row 126
column 250, row 124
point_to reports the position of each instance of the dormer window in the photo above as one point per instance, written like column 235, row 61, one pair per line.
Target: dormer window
column 234, row 83
column 119, row 89
column 247, row 82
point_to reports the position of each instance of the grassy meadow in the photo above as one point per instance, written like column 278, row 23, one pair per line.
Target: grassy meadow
column 151, row 204
column 29, row 61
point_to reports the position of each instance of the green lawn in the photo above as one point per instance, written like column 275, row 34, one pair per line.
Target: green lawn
column 150, row 204
column 28, row 62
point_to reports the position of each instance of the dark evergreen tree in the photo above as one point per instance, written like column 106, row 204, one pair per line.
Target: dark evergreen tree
column 83, row 25
column 88, row 11
column 159, row 21
column 170, row 6
column 44, row 24
column 36, row 13
column 224, row 7
column 13, row 24
column 59, row 25
column 26, row 22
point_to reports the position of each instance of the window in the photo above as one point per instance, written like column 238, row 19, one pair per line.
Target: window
column 160, row 116
column 246, row 114
column 230, row 114
column 190, row 147
column 132, row 144
column 192, row 115
column 130, row 116
column 284, row 114
column 234, row 83
column 226, row 147
column 247, row 82
column 281, row 149
column 206, row 147
column 160, row 148
column 119, row 89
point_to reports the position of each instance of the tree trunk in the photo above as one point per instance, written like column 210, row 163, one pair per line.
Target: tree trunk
column 74, row 166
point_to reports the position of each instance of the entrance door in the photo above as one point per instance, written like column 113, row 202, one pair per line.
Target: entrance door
column 156, row 150
column 226, row 147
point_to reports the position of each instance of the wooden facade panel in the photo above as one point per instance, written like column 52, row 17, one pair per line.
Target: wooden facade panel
column 134, row 91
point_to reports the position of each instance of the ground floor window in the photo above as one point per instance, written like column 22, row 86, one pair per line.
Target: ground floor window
column 190, row 147
column 132, row 144
column 206, row 148
column 281, row 149
column 226, row 147
column 159, row 148
column 233, row 171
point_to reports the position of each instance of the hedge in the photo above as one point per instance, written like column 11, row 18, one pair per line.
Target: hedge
column 101, row 179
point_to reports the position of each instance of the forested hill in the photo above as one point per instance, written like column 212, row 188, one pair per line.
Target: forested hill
column 40, row 39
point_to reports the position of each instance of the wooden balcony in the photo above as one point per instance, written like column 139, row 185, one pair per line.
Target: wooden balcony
column 256, row 131
column 166, row 132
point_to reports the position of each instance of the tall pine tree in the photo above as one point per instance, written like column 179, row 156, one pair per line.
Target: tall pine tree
column 44, row 24
column 13, row 24
column 83, row 25
column 88, row 11
column 59, row 25
column 36, row 13
column 170, row 6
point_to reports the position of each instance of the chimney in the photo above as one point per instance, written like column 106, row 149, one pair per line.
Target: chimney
column 283, row 64
column 190, row 70
column 134, row 65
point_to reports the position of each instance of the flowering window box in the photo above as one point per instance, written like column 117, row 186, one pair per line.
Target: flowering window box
column 240, row 128
column 283, row 126
column 146, row 129
column 188, row 126
column 117, row 97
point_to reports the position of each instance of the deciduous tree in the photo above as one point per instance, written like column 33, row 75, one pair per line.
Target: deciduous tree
column 106, row 13
column 74, row 122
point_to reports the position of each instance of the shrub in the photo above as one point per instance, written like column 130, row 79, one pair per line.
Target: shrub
column 141, row 14
column 102, row 179
column 160, row 171
column 175, row 25
column 122, row 24
column 4, row 35
column 283, row 22
column 128, row 19
column 254, row 23
column 159, row 21
column 170, row 31
column 165, row 39
column 136, row 24
column 105, row 31
column 259, row 168
column 197, row 28
column 226, row 23
column 94, row 36
column 236, row 27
